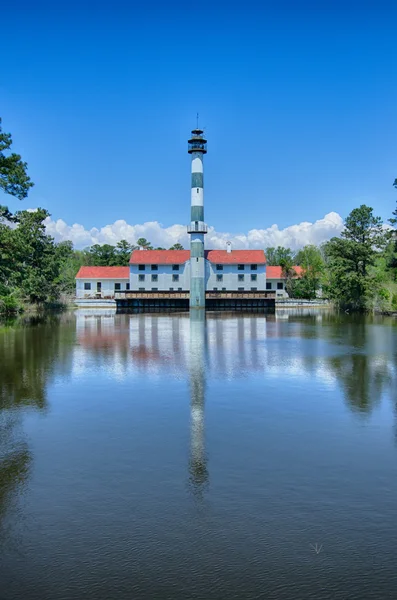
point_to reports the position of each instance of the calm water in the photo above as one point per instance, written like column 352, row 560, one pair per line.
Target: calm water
column 162, row 457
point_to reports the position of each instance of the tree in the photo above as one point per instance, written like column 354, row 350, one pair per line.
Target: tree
column 350, row 258
column 274, row 256
column 391, row 251
column 37, row 263
column 143, row 243
column 312, row 263
column 104, row 255
column 288, row 272
column 177, row 247
column 70, row 261
column 124, row 250
column 14, row 179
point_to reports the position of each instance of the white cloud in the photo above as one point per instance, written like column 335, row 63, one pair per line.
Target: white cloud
column 294, row 236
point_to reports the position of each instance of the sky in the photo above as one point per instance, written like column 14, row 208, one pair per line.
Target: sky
column 298, row 101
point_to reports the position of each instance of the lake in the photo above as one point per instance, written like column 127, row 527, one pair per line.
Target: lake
column 177, row 457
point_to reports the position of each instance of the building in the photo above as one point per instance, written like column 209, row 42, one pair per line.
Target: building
column 197, row 276
column 171, row 272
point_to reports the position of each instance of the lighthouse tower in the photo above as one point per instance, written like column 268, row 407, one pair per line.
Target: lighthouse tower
column 197, row 228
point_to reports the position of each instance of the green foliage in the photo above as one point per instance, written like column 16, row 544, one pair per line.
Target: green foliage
column 311, row 260
column 144, row 244
column 14, row 179
column 123, row 251
column 351, row 282
column 177, row 247
column 30, row 261
column 275, row 256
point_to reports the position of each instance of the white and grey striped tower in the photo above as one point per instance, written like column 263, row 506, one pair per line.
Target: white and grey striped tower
column 197, row 228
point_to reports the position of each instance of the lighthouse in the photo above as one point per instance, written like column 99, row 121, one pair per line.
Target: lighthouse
column 197, row 228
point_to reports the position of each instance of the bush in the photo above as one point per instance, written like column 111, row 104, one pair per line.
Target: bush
column 10, row 303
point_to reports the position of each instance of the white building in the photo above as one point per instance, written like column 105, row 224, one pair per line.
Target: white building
column 101, row 282
column 169, row 270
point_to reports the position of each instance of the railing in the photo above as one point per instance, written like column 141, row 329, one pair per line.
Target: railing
column 197, row 227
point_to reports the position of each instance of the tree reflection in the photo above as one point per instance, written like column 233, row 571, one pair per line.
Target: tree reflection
column 365, row 369
column 28, row 355
column 30, row 352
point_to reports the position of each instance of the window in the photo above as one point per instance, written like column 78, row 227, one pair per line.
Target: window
column 280, row 285
column 254, row 267
column 268, row 285
column 179, row 289
column 155, row 277
column 215, row 289
column 219, row 277
column 171, row 289
column 141, row 277
column 154, row 267
column 240, row 289
column 87, row 286
column 175, row 267
column 223, row 289
column 175, row 278
column 141, row 267
column 254, row 277
column 127, row 286
column 240, row 267
column 117, row 287
column 219, row 267
column 253, row 289
column 141, row 289
column 241, row 277
column 154, row 289
column 98, row 286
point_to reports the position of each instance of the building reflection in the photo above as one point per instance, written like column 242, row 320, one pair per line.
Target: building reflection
column 197, row 368
column 340, row 351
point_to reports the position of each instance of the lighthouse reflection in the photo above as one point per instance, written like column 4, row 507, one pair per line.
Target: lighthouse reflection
column 198, row 472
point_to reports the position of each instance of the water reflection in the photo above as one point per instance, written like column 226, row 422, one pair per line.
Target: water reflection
column 197, row 366
column 103, row 423
column 31, row 352
column 354, row 354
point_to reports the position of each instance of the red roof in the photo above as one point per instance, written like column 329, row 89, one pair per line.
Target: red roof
column 103, row 273
column 159, row 257
column 236, row 257
column 276, row 272
column 174, row 257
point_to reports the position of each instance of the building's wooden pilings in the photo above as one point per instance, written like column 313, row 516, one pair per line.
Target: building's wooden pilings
column 179, row 301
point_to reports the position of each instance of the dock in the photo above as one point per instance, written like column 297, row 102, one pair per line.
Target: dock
column 176, row 301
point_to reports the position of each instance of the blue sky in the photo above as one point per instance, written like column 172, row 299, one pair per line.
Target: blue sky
column 298, row 100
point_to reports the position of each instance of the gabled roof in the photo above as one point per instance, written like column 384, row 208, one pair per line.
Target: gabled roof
column 159, row 257
column 103, row 273
column 175, row 257
column 276, row 272
column 236, row 257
